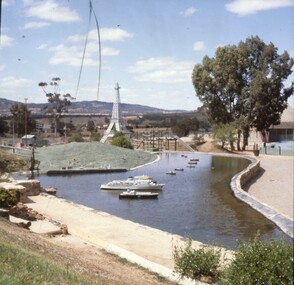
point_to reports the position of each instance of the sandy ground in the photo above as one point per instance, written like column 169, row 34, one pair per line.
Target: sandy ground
column 148, row 247
column 274, row 186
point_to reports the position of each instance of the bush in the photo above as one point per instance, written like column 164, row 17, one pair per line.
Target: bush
column 260, row 262
column 196, row 264
column 76, row 137
column 121, row 141
column 7, row 199
column 95, row 137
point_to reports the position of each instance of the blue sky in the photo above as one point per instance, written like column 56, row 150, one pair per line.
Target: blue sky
column 148, row 47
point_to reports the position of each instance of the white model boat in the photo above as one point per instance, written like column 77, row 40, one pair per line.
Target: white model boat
column 132, row 194
column 132, row 184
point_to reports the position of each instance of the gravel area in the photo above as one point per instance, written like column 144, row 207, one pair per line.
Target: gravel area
column 87, row 155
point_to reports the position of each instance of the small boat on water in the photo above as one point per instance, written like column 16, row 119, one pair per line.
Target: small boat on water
column 132, row 184
column 179, row 169
column 171, row 173
column 141, row 177
column 194, row 159
column 132, row 194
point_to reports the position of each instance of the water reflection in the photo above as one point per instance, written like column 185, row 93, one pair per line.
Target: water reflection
column 196, row 202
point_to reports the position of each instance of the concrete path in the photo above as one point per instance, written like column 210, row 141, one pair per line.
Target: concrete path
column 275, row 184
column 148, row 247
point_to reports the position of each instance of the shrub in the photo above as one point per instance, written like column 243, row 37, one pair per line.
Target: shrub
column 7, row 199
column 196, row 264
column 95, row 137
column 121, row 141
column 260, row 262
column 76, row 137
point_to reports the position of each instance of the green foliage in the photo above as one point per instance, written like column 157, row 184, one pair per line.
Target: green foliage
column 121, row 141
column 21, row 119
column 195, row 264
column 245, row 81
column 7, row 199
column 260, row 262
column 95, row 137
column 184, row 126
column 255, row 262
column 76, row 137
column 90, row 126
column 20, row 265
column 58, row 103
column 225, row 134
column 4, row 128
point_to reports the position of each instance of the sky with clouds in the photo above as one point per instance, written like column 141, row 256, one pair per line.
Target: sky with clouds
column 148, row 47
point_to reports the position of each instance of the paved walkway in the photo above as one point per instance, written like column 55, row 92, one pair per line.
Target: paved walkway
column 275, row 185
column 148, row 247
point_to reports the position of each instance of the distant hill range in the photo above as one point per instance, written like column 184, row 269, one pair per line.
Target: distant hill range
column 88, row 107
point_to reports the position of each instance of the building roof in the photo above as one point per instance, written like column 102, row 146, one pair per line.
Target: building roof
column 288, row 115
column 28, row 137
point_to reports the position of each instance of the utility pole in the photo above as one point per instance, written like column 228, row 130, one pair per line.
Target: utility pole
column 26, row 99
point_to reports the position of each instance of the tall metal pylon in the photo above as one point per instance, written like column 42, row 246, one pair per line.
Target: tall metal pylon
column 116, row 123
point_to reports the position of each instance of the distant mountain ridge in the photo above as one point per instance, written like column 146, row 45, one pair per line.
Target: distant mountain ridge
column 88, row 107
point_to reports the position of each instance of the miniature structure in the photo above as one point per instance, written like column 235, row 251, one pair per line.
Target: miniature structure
column 116, row 123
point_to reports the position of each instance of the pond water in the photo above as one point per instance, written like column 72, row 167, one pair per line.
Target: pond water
column 196, row 202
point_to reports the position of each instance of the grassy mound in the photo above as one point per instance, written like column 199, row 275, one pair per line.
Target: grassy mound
column 77, row 155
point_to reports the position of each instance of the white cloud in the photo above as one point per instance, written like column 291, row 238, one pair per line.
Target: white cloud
column 72, row 55
column 68, row 55
column 199, row 46
column 36, row 25
column 52, row 11
column 162, row 70
column 106, row 34
column 110, row 34
column 42, row 46
column 10, row 84
column 245, row 7
column 2, row 67
column 6, row 41
column 190, row 11
column 6, row 3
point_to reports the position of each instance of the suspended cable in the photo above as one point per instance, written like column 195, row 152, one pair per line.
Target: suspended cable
column 0, row 18
column 85, row 47
column 99, row 43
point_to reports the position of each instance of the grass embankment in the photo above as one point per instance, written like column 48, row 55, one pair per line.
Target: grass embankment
column 21, row 264
column 11, row 162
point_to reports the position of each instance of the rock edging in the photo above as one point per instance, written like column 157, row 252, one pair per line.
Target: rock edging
column 240, row 179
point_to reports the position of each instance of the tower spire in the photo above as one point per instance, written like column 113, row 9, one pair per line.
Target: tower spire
column 116, row 122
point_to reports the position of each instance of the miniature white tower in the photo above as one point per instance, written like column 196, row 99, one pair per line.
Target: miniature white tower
column 116, row 123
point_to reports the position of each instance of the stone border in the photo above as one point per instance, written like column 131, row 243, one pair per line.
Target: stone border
column 240, row 179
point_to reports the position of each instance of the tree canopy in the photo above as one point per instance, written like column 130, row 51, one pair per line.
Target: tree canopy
column 58, row 102
column 21, row 119
column 245, row 84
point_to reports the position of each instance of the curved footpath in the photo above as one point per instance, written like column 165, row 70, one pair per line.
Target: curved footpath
column 152, row 248
column 267, row 186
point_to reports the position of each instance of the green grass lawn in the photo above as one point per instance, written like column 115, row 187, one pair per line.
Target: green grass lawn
column 20, row 265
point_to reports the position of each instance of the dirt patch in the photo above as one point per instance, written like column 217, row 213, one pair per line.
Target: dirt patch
column 210, row 146
column 82, row 257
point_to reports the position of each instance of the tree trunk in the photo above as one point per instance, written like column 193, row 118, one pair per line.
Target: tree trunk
column 232, row 146
column 245, row 138
column 238, row 139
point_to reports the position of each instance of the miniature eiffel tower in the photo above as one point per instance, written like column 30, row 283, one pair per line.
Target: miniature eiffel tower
column 116, row 123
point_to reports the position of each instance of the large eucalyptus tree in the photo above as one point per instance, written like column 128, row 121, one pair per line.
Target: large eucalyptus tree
column 245, row 85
